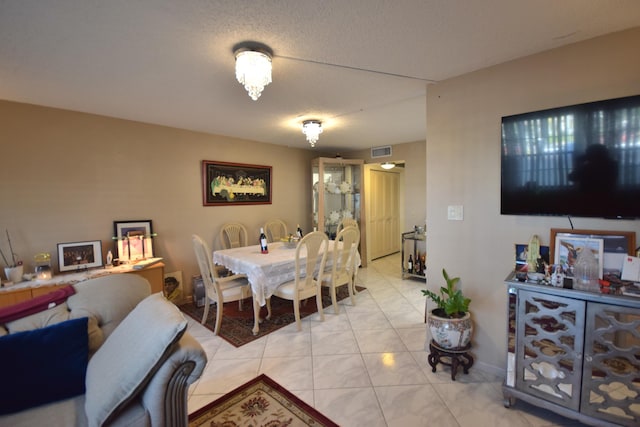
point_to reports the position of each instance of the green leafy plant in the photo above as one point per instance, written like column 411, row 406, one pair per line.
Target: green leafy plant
column 450, row 301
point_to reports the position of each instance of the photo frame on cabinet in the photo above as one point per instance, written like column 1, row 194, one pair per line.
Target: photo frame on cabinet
column 133, row 239
column 76, row 256
column 616, row 246
column 569, row 248
column 225, row 184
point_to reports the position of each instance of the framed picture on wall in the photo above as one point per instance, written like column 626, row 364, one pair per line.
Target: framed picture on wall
column 134, row 239
column 79, row 255
column 225, row 184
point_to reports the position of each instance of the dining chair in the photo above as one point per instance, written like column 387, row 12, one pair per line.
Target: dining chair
column 275, row 229
column 343, row 268
column 346, row 222
column 305, row 284
column 233, row 235
column 218, row 289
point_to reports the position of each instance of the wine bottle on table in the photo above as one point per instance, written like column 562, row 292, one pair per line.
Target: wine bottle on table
column 410, row 264
column 299, row 231
column 263, row 242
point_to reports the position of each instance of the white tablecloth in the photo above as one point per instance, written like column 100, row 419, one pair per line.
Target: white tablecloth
column 265, row 271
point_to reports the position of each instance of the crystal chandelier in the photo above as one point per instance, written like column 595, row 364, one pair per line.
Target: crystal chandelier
column 312, row 129
column 253, row 70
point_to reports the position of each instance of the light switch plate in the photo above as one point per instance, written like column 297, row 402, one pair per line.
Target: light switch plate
column 455, row 213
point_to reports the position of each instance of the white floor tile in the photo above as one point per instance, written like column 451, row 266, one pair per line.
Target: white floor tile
column 352, row 407
column 393, row 369
column 293, row 373
column 414, row 405
column 339, row 371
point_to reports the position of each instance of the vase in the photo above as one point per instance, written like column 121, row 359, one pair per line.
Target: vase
column 14, row 274
column 450, row 333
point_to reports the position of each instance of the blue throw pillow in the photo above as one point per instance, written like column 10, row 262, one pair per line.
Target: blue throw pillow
column 43, row 365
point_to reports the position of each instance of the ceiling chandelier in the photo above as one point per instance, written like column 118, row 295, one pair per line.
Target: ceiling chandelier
column 312, row 129
column 253, row 69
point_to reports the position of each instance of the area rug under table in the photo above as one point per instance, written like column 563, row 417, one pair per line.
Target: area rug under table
column 237, row 324
column 260, row 402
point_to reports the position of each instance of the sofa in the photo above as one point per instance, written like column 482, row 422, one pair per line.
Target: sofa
column 101, row 352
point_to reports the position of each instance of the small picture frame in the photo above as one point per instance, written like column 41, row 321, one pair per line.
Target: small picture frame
column 567, row 249
column 133, row 239
column 173, row 289
column 76, row 256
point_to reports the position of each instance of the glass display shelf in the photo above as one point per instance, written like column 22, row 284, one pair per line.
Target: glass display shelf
column 337, row 195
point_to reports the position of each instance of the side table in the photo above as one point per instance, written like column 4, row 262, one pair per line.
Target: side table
column 452, row 358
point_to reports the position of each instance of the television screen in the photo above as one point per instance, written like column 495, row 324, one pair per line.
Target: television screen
column 581, row 160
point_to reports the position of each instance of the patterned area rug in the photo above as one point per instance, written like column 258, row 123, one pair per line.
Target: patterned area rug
column 260, row 402
column 236, row 325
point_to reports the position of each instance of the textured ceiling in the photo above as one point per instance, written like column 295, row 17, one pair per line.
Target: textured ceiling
column 361, row 66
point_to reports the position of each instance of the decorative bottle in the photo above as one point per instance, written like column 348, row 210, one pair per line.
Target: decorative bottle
column 410, row 264
column 263, row 242
column 299, row 231
column 109, row 258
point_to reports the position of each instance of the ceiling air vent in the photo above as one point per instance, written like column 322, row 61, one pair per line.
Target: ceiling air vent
column 377, row 152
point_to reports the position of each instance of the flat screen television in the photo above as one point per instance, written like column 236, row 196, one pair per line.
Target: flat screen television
column 579, row 160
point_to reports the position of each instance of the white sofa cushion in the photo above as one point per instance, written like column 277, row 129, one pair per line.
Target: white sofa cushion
column 129, row 357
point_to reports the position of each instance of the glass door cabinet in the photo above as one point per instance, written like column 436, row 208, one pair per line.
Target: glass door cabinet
column 337, row 195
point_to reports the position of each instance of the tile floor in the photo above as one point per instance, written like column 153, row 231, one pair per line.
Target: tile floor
column 365, row 366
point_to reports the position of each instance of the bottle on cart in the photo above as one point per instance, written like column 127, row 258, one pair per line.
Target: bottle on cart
column 410, row 264
column 263, row 242
column 417, row 262
column 299, row 231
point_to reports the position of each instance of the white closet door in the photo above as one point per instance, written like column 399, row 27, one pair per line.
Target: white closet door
column 384, row 221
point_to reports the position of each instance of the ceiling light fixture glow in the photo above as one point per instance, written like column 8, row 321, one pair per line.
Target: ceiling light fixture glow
column 253, row 70
column 312, row 129
column 388, row 165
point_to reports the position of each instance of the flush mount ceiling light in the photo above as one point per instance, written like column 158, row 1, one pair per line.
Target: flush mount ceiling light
column 312, row 129
column 253, row 67
column 388, row 165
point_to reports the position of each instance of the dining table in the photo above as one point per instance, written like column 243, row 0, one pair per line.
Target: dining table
column 265, row 272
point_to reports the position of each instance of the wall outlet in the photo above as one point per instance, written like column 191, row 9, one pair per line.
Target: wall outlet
column 455, row 213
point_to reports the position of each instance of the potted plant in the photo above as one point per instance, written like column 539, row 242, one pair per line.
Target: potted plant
column 13, row 269
column 450, row 322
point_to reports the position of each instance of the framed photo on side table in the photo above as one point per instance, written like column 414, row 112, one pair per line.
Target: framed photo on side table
column 616, row 245
column 79, row 255
column 133, row 239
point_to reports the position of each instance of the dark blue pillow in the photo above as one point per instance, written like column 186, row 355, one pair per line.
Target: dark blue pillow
column 43, row 365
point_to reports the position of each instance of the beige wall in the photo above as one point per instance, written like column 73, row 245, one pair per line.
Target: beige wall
column 413, row 154
column 66, row 176
column 463, row 167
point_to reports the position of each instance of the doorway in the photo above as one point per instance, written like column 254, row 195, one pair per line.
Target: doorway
column 384, row 209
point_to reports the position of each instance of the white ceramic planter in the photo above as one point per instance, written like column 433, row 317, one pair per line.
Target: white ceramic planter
column 14, row 274
column 450, row 334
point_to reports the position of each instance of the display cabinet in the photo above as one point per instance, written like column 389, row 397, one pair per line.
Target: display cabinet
column 338, row 194
column 413, row 245
column 574, row 352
